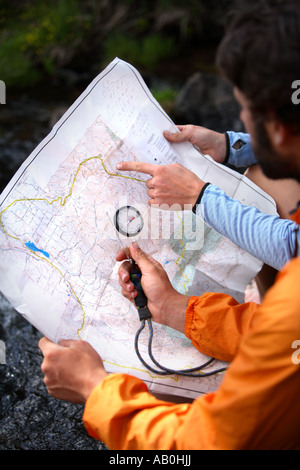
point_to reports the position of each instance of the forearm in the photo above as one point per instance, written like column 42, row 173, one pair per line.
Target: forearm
column 123, row 414
column 240, row 414
column 210, row 317
column 175, row 310
column 268, row 238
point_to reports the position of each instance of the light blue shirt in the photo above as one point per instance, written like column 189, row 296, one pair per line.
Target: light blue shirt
column 267, row 237
column 243, row 157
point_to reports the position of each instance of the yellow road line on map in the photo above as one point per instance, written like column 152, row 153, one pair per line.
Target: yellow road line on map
column 156, row 376
column 62, row 202
column 153, row 376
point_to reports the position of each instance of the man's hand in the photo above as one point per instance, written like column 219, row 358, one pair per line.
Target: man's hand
column 166, row 305
column 208, row 141
column 71, row 368
column 169, row 185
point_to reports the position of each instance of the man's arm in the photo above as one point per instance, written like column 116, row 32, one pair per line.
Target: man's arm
column 250, row 408
column 73, row 368
column 228, row 147
column 182, row 312
column 215, row 323
column 267, row 237
column 245, row 412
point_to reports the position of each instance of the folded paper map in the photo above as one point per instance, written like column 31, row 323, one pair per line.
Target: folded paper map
column 68, row 210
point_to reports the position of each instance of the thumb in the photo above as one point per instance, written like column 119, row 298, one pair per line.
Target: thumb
column 141, row 258
column 182, row 135
column 173, row 136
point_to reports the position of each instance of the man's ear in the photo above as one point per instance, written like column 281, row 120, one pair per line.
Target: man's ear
column 278, row 133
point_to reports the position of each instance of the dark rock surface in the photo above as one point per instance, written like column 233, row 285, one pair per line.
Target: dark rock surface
column 29, row 418
column 207, row 100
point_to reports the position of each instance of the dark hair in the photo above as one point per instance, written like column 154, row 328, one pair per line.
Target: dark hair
column 260, row 55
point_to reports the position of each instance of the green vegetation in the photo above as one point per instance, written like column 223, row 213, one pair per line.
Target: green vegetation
column 36, row 39
column 39, row 38
column 146, row 52
column 166, row 97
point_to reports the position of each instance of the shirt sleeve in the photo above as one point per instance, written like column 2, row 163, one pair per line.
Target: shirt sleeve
column 244, row 156
column 267, row 237
column 256, row 405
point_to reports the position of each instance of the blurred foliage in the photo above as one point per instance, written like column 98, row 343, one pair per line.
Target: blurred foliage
column 39, row 38
column 36, row 36
column 145, row 52
column 166, row 97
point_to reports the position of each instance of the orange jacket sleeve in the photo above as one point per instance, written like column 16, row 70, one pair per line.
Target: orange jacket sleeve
column 255, row 407
column 215, row 324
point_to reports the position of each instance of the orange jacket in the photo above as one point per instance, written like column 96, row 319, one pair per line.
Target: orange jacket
column 257, row 405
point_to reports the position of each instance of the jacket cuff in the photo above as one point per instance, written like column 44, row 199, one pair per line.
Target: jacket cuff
column 189, row 316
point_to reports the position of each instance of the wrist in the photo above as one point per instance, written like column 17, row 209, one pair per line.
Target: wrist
column 218, row 146
column 93, row 382
column 198, row 201
column 174, row 311
column 227, row 149
column 198, row 188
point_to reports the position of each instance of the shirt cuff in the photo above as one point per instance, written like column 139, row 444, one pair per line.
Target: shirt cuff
column 242, row 157
column 194, row 209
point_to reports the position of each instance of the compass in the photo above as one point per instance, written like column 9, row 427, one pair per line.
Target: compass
column 128, row 221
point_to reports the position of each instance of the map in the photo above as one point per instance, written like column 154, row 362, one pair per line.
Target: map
column 67, row 212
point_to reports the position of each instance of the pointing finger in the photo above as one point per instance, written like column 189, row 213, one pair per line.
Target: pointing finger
column 140, row 167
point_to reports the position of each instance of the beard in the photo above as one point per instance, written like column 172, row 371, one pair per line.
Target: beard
column 273, row 164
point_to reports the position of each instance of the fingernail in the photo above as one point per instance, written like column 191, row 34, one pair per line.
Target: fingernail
column 135, row 245
column 119, row 166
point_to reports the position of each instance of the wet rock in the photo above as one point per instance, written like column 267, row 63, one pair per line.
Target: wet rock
column 207, row 100
column 29, row 418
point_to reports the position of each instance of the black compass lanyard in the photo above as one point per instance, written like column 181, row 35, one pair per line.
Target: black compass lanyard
column 145, row 315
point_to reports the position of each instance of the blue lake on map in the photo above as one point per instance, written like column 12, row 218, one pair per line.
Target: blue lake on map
column 32, row 247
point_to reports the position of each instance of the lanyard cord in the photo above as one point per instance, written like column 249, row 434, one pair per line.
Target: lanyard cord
column 144, row 314
column 165, row 370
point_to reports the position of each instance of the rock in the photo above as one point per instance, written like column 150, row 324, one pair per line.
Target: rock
column 207, row 100
column 29, row 418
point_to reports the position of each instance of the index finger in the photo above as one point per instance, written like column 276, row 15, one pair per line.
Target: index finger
column 140, row 167
column 124, row 271
column 123, row 254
